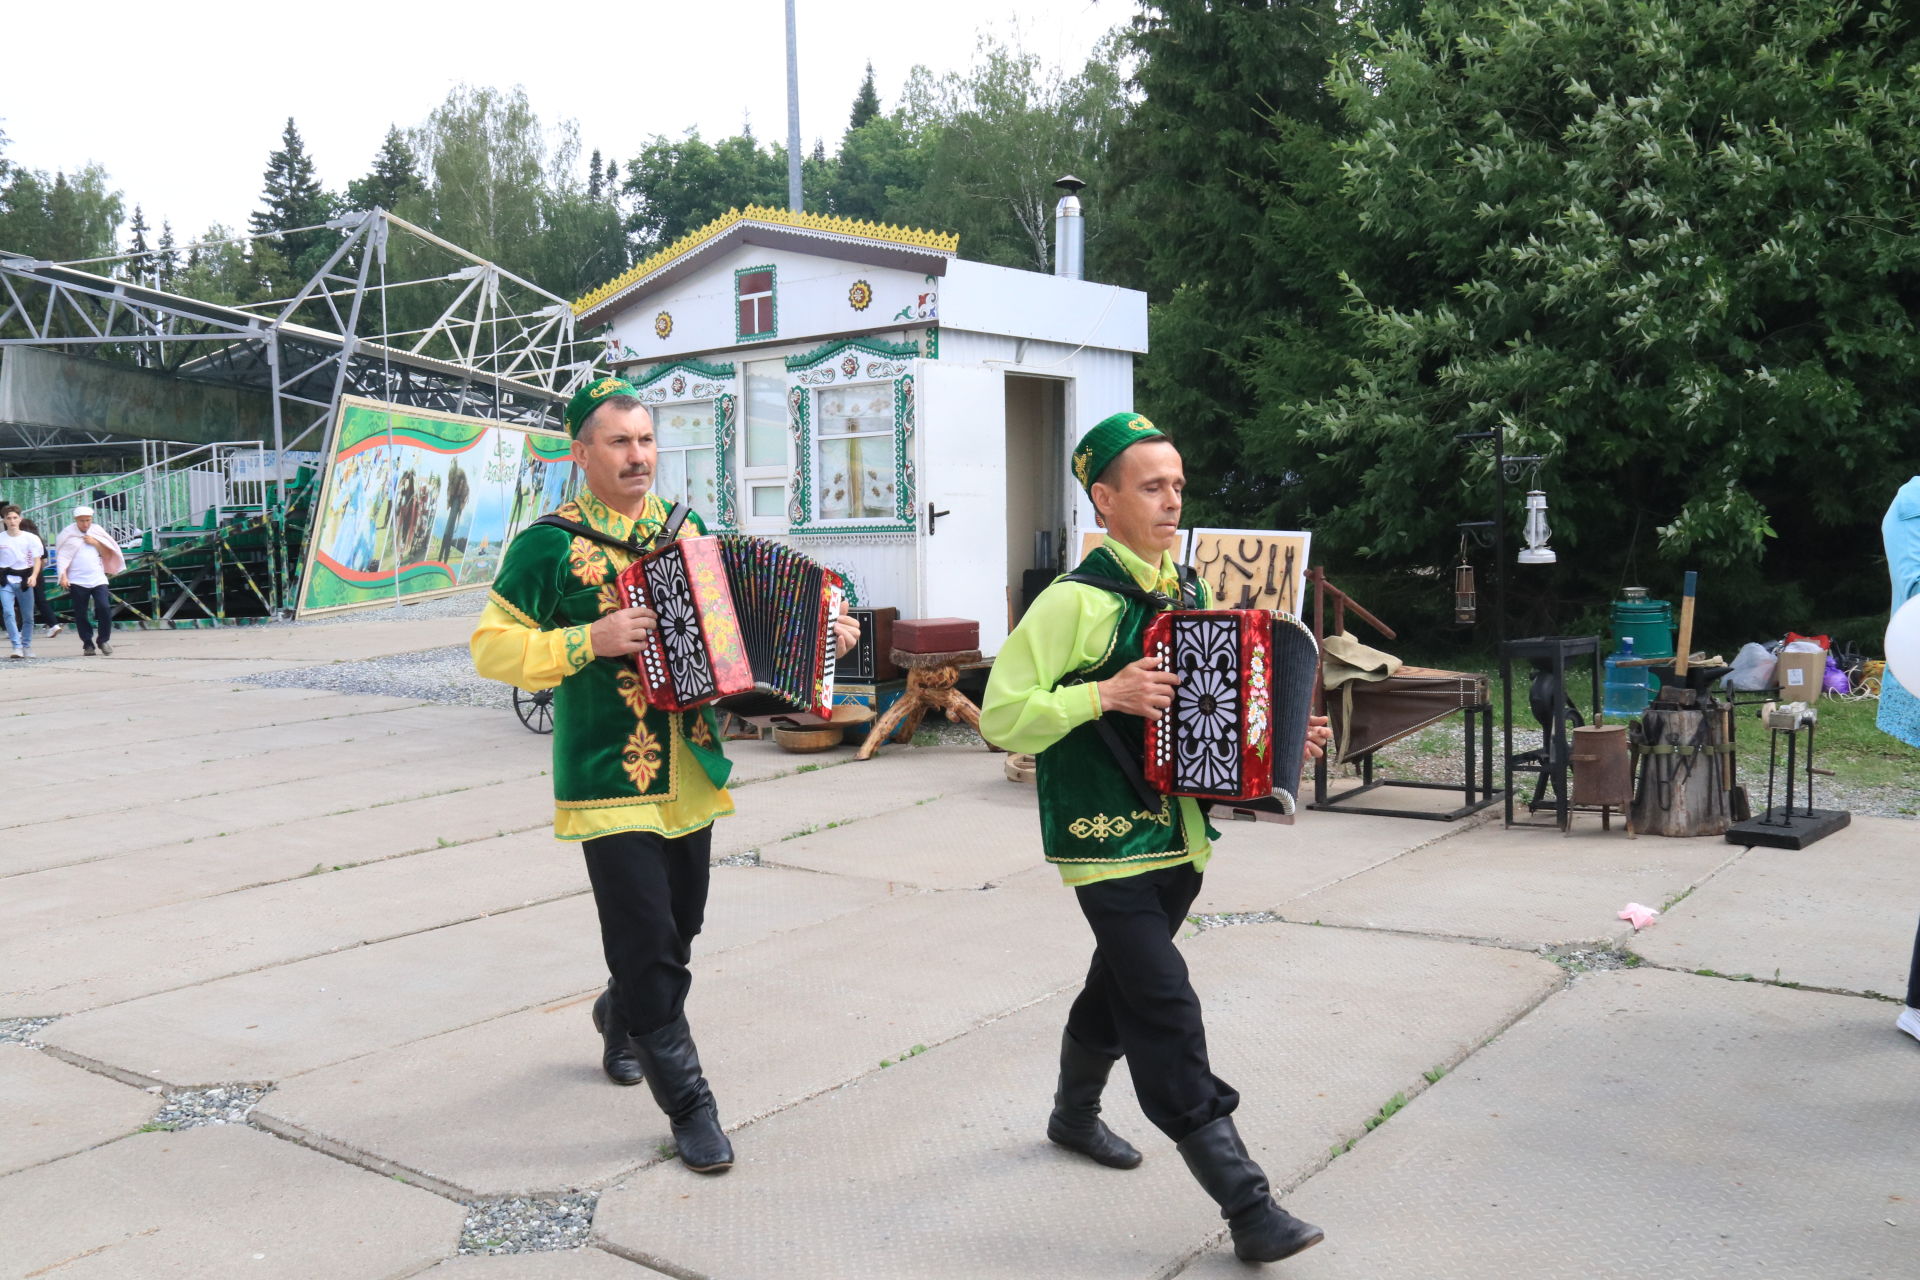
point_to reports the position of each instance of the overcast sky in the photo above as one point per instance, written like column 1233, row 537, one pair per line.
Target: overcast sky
column 182, row 103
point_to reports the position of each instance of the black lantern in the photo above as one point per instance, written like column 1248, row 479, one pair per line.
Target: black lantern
column 1465, row 606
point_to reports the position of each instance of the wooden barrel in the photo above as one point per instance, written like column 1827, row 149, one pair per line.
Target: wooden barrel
column 1682, row 785
column 1602, row 770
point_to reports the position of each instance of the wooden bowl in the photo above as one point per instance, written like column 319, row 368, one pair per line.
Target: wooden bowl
column 803, row 740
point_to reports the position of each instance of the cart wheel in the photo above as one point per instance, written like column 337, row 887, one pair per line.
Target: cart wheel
column 534, row 709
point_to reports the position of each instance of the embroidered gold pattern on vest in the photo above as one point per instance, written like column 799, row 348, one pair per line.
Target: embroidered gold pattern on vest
column 1101, row 826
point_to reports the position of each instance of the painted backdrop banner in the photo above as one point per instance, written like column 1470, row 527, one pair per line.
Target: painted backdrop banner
column 418, row 503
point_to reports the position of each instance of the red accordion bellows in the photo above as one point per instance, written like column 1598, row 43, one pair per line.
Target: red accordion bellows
column 737, row 614
column 1238, row 723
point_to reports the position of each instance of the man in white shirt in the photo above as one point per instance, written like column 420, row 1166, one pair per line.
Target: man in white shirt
column 88, row 556
column 20, row 556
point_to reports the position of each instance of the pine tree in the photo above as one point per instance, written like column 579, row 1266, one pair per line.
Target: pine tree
column 394, row 176
column 594, row 191
column 167, row 263
column 292, row 195
column 293, row 198
column 139, row 269
column 612, row 183
column 866, row 103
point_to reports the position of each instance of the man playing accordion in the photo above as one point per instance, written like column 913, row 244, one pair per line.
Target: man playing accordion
column 1072, row 684
column 638, row 786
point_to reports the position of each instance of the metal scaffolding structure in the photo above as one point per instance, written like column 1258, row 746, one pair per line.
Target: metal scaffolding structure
column 396, row 314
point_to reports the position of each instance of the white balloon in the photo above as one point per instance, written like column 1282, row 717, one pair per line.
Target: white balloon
column 1903, row 644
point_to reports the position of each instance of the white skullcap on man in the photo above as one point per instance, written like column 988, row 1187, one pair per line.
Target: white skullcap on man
column 82, row 511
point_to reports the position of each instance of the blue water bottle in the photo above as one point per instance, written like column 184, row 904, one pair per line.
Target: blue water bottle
column 1626, row 691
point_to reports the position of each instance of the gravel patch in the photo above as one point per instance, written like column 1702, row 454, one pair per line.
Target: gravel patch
column 751, row 858
column 222, row 1104
column 431, row 675
column 1221, row 920
column 1589, row 960
column 526, row 1225
column 23, row 1030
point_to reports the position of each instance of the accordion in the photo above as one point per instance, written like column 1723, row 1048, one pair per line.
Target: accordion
column 738, row 615
column 1238, row 722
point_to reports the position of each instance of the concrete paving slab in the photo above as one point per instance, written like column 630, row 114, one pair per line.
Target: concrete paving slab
column 449, row 735
column 343, row 642
column 49, row 1108
column 1838, row 915
column 217, row 1202
column 939, row 1167
column 27, row 683
column 1521, row 887
column 768, row 811
column 118, row 831
column 278, row 1022
column 1259, row 865
column 777, row 1021
column 983, row 830
column 217, row 864
column 105, row 961
column 193, row 747
column 1642, row 1123
column 148, row 710
column 561, row 1264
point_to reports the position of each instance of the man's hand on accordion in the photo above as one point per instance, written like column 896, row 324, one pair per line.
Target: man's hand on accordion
column 1139, row 689
column 846, row 632
column 622, row 632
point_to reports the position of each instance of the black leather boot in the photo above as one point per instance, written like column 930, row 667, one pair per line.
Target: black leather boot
column 1262, row 1230
column 616, row 1051
column 1075, row 1123
column 672, row 1066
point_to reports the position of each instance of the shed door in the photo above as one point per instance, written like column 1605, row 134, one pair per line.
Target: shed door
column 962, row 427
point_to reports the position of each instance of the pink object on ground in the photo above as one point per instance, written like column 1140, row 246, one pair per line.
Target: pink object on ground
column 1638, row 916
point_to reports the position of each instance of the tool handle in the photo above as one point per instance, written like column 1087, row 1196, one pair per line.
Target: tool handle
column 1686, row 623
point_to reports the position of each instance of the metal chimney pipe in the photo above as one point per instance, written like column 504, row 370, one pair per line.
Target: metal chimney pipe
column 1069, row 232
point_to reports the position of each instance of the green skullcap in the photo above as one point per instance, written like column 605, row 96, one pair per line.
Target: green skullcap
column 591, row 396
column 1107, row 440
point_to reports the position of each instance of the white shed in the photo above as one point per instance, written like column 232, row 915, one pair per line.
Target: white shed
column 859, row 391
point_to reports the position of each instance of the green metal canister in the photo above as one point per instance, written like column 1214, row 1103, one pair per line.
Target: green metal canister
column 1648, row 622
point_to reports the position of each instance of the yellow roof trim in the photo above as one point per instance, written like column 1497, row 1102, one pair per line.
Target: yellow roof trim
column 913, row 237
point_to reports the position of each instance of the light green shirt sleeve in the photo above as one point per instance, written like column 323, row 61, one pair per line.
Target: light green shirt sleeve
column 1068, row 627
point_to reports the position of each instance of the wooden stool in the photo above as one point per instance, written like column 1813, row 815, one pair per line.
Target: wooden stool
column 930, row 687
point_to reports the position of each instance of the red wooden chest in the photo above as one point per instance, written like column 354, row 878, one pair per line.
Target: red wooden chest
column 936, row 635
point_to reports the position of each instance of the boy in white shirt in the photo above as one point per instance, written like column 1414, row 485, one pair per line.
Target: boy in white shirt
column 20, row 557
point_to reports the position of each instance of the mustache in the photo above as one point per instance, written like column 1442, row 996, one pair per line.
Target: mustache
column 627, row 472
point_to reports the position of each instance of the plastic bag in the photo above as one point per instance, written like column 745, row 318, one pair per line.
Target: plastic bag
column 1752, row 668
column 1835, row 681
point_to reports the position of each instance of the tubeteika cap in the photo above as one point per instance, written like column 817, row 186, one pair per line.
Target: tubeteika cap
column 82, row 511
column 1106, row 440
column 591, row 396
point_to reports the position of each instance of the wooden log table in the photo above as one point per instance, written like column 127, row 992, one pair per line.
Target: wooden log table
column 931, row 678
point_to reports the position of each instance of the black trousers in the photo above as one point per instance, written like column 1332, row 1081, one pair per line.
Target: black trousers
column 651, row 894
column 1139, row 1004
column 101, row 603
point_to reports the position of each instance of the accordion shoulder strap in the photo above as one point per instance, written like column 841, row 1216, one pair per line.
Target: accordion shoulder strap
column 1154, row 600
column 668, row 530
column 1127, row 762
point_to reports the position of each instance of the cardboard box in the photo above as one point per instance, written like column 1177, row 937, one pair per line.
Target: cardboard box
column 875, row 698
column 1799, row 675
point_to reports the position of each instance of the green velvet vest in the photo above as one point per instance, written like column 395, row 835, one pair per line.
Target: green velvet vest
column 609, row 746
column 1088, row 810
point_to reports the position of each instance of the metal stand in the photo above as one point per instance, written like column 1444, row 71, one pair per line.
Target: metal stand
column 1476, row 790
column 1549, row 761
column 1789, row 826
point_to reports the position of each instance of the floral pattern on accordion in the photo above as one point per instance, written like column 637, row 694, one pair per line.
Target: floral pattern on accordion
column 1259, row 728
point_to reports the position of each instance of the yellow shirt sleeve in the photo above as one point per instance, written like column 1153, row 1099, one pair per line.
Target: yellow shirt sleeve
column 1068, row 627
column 507, row 647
